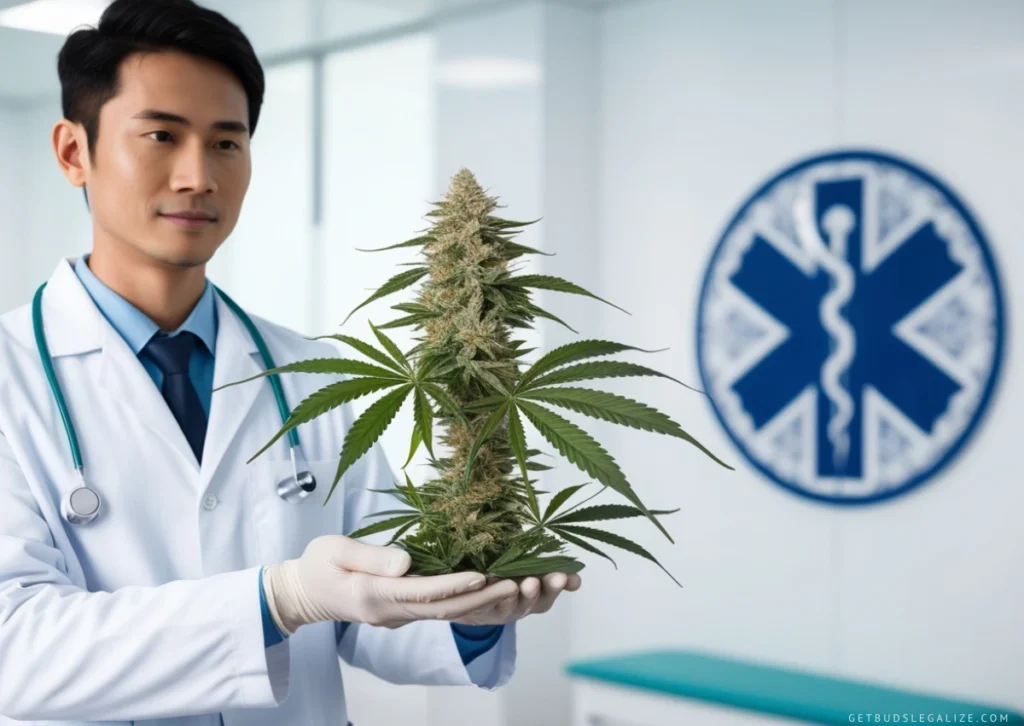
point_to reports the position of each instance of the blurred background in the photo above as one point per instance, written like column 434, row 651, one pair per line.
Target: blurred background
column 635, row 129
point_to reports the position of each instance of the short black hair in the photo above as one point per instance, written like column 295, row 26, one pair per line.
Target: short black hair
column 89, row 62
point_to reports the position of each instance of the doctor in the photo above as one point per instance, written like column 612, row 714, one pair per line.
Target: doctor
column 179, row 585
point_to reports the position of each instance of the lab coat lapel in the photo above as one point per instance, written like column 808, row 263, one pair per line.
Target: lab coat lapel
column 72, row 322
column 74, row 325
column 236, row 358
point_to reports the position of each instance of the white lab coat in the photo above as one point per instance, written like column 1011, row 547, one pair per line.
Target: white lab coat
column 152, row 611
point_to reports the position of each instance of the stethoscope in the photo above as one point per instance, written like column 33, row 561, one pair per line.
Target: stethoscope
column 82, row 504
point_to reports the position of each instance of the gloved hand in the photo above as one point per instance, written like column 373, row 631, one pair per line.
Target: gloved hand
column 535, row 596
column 339, row 578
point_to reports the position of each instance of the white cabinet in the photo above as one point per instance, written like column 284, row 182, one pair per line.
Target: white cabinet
column 600, row 704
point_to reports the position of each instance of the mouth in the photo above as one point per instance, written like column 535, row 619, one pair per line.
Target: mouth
column 189, row 220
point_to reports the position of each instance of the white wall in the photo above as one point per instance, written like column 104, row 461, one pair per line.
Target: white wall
column 953, row 100
column 12, row 234
column 701, row 102
column 43, row 216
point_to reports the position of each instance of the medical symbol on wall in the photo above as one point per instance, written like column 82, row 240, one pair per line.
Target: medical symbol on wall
column 850, row 327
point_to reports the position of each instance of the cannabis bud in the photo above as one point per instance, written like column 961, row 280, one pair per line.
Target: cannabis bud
column 481, row 510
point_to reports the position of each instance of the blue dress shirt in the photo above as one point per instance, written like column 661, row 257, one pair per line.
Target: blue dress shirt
column 136, row 328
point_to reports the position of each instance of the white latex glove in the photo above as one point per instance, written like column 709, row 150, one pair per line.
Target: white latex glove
column 339, row 578
column 535, row 596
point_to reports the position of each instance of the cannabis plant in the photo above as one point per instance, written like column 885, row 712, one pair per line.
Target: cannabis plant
column 481, row 510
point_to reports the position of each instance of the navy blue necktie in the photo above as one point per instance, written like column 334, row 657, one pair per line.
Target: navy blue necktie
column 171, row 355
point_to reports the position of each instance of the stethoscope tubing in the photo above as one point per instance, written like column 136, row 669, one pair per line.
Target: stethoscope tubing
column 83, row 504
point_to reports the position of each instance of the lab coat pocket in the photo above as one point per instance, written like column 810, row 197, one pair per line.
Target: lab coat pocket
column 284, row 528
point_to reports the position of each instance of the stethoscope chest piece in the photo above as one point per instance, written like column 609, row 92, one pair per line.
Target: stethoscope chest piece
column 296, row 488
column 81, row 505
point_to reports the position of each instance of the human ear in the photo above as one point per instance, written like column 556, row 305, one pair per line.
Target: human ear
column 69, row 145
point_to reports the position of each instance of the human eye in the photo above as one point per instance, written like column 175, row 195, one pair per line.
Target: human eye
column 228, row 141
column 166, row 133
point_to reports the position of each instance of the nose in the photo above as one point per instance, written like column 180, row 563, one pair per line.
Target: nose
column 193, row 170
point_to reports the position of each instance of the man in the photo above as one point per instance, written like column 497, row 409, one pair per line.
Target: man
column 161, row 609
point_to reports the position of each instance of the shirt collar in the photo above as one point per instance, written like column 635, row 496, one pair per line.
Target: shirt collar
column 134, row 325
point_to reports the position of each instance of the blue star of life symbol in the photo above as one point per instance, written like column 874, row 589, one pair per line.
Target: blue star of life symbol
column 850, row 327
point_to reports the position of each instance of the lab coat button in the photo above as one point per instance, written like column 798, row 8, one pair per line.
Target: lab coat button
column 210, row 502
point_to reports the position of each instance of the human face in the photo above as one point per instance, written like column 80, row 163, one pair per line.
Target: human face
column 173, row 141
